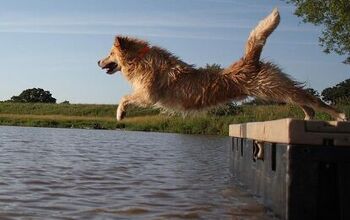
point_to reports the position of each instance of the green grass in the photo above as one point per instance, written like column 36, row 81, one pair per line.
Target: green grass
column 69, row 109
column 102, row 117
column 57, row 109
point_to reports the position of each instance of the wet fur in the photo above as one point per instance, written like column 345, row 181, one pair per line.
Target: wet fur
column 161, row 79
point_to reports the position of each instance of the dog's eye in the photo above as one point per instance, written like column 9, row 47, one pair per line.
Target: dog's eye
column 112, row 53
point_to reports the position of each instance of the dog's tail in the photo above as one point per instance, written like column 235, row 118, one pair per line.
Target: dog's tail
column 258, row 36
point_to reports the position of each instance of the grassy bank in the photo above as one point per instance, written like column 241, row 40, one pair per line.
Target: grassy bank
column 102, row 117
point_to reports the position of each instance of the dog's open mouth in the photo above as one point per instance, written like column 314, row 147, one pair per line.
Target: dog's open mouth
column 111, row 68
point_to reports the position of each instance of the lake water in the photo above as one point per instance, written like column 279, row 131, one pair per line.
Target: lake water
column 50, row 173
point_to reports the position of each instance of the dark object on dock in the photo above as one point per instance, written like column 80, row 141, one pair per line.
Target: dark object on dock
column 300, row 169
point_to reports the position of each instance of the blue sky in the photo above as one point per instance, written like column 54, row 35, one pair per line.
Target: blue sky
column 55, row 45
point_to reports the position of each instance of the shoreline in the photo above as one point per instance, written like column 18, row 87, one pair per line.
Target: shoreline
column 83, row 116
column 148, row 123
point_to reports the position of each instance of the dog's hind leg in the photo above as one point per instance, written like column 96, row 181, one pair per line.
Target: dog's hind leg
column 309, row 103
column 270, row 83
column 126, row 101
column 321, row 106
column 258, row 36
column 296, row 94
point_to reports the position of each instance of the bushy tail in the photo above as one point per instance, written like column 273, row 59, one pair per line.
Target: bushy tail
column 258, row 36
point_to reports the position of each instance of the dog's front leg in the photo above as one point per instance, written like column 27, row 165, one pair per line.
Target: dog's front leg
column 124, row 102
column 133, row 99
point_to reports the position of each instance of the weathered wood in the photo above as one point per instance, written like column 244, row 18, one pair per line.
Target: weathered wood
column 293, row 131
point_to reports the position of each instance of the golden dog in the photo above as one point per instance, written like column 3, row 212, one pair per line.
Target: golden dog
column 161, row 79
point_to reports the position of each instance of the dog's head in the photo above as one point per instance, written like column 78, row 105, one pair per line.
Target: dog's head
column 123, row 51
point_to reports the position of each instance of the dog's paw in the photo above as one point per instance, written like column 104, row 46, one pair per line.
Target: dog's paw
column 342, row 117
column 307, row 118
column 120, row 115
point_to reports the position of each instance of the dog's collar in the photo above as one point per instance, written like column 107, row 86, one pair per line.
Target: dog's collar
column 143, row 51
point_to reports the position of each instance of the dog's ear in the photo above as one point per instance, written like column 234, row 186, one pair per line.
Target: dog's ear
column 120, row 42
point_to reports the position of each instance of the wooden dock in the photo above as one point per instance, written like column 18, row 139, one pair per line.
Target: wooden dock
column 300, row 169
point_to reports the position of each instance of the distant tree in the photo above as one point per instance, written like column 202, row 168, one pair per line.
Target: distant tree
column 339, row 94
column 313, row 92
column 334, row 16
column 34, row 95
column 65, row 102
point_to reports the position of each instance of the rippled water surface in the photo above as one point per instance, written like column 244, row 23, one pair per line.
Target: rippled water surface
column 89, row 174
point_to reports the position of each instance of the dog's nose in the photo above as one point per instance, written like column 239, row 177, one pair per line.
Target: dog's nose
column 98, row 62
